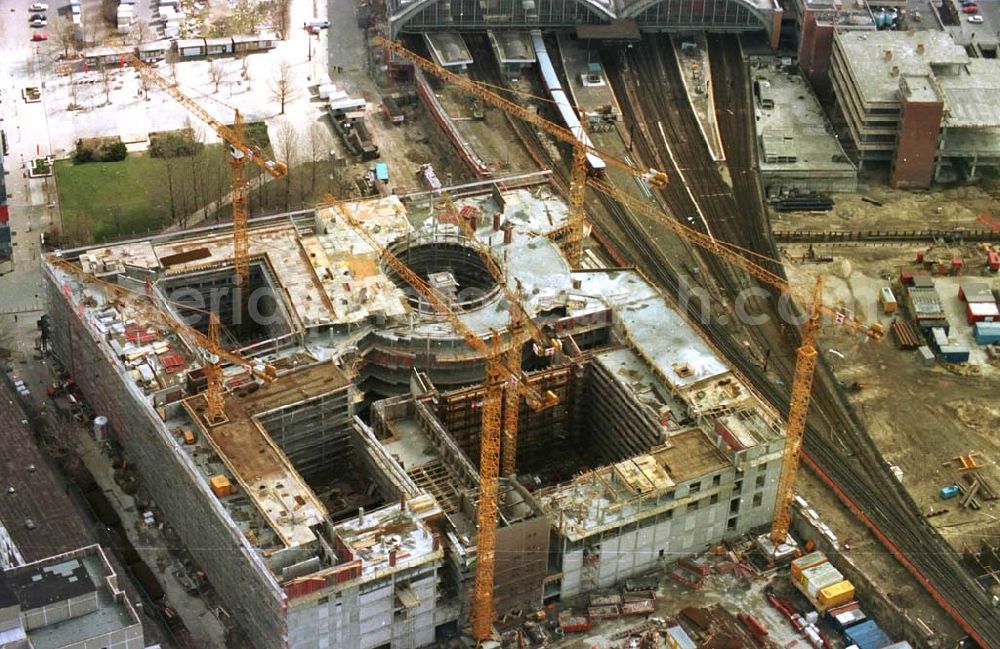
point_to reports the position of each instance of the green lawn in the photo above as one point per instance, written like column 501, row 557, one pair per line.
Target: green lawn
column 105, row 201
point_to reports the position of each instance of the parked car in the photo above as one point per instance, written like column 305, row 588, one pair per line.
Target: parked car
column 970, row 9
column 975, row 19
column 37, row 20
column 38, row 6
column 39, row 36
column 317, row 24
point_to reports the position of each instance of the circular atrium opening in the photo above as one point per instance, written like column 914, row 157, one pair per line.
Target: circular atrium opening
column 456, row 271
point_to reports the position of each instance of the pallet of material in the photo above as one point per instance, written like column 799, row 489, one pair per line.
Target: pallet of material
column 687, row 577
column 573, row 621
column 696, row 564
column 906, row 335
column 639, row 607
column 638, row 595
column 605, row 599
column 603, row 612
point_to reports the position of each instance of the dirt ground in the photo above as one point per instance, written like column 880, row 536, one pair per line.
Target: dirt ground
column 901, row 210
column 922, row 417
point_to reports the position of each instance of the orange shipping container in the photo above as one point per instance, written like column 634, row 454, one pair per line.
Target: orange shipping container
column 221, row 486
column 807, row 561
column 837, row 594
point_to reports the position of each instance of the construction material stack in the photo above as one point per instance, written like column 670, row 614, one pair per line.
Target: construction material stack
column 822, row 584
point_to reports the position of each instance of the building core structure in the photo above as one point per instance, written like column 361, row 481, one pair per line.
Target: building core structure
column 336, row 505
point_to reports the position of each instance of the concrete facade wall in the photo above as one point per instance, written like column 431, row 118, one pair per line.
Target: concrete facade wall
column 247, row 590
column 367, row 615
column 741, row 501
column 127, row 638
column 56, row 612
column 920, row 125
column 522, row 560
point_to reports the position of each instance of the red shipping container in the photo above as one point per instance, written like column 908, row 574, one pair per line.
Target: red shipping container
column 981, row 312
column 4, row 214
column 993, row 260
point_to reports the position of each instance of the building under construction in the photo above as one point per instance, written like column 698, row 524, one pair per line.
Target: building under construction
column 335, row 506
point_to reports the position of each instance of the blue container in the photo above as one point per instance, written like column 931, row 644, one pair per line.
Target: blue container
column 382, row 171
column 949, row 492
column 987, row 332
column 955, row 354
column 868, row 635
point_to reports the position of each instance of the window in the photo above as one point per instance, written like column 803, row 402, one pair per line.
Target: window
column 670, row 495
column 731, row 523
column 758, row 499
column 693, row 507
column 760, row 480
column 734, row 506
column 716, row 480
column 739, row 486
column 695, row 488
column 714, row 499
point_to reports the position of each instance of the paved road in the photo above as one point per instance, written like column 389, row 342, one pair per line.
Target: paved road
column 31, row 201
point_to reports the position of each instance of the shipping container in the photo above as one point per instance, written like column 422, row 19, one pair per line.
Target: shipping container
column 982, row 312
column 868, row 635
column 846, row 616
column 955, row 354
column 839, row 593
column 887, row 300
column 926, row 355
column 987, row 332
column 807, row 561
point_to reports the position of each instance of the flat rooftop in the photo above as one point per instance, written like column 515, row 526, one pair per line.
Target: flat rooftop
column 792, row 128
column 873, row 69
column 972, row 97
column 391, row 538
column 448, row 49
column 579, row 63
column 675, row 352
column 38, row 496
column 64, row 577
column 261, row 469
column 612, row 495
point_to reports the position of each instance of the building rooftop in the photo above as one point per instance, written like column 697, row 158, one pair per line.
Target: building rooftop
column 38, row 515
column 793, row 129
column 611, row 495
column 389, row 539
column 83, row 576
column 877, row 60
column 259, row 466
column 972, row 97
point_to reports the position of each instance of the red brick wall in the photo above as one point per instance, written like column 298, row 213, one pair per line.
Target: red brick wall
column 920, row 123
column 815, row 48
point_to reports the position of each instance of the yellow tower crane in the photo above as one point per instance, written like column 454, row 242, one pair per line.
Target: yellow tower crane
column 806, row 355
column 573, row 246
column 240, row 152
column 211, row 349
column 519, row 322
column 499, row 375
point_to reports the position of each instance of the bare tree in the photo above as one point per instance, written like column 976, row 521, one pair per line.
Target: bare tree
column 281, row 16
column 282, row 86
column 64, row 35
column 141, row 31
column 215, row 74
column 74, row 102
column 198, row 167
column 106, row 81
column 319, row 151
column 245, row 69
column 288, row 142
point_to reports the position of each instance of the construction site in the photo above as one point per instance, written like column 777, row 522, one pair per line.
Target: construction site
column 661, row 355
column 367, row 531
